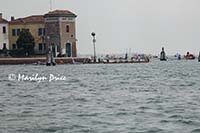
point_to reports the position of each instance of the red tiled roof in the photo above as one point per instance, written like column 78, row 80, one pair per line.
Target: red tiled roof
column 60, row 13
column 3, row 20
column 29, row 19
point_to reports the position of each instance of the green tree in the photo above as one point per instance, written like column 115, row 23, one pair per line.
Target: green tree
column 26, row 42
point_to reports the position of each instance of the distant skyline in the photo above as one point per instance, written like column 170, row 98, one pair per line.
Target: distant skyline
column 143, row 26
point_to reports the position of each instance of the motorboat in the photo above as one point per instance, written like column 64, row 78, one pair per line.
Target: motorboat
column 189, row 56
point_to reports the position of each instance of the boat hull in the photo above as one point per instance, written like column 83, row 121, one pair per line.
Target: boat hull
column 189, row 58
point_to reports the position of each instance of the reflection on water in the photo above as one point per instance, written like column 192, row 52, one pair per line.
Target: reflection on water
column 159, row 97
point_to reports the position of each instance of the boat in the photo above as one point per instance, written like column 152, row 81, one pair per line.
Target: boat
column 163, row 55
column 177, row 56
column 75, row 62
column 199, row 57
column 39, row 63
column 189, row 56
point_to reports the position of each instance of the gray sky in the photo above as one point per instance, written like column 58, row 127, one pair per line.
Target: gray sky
column 140, row 25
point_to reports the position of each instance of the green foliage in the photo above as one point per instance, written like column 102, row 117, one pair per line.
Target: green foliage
column 25, row 43
column 14, row 52
column 4, row 52
column 17, row 52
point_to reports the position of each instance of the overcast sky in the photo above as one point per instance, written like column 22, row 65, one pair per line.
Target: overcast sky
column 142, row 26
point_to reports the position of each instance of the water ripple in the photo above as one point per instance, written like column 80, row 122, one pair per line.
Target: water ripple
column 159, row 97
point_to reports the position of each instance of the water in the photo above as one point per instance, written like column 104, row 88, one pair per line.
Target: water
column 159, row 97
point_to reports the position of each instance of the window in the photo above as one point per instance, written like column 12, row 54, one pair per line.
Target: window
column 13, row 32
column 44, row 31
column 4, row 29
column 4, row 46
column 67, row 28
column 40, row 46
column 14, row 46
column 41, row 31
column 44, row 46
column 18, row 32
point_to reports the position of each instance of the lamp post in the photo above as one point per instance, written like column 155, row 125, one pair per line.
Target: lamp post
column 48, row 44
column 50, row 3
column 50, row 59
column 48, row 63
column 94, row 40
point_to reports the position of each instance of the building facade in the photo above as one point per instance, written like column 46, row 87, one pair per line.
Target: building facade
column 4, row 41
column 61, row 32
column 35, row 24
column 55, row 30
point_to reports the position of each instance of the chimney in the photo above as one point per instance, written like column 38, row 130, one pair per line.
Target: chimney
column 0, row 15
column 12, row 18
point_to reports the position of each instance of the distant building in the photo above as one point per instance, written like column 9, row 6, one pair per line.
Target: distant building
column 4, row 42
column 61, row 32
column 35, row 24
column 55, row 30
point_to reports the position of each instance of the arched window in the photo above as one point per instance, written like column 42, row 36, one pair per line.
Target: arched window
column 67, row 28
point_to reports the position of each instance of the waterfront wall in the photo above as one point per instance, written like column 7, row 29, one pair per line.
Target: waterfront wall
column 41, row 60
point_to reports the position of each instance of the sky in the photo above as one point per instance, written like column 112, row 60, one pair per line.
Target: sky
column 138, row 26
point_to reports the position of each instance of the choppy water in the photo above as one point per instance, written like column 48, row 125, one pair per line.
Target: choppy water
column 159, row 97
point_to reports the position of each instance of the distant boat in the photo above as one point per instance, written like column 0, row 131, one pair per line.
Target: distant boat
column 39, row 63
column 178, row 56
column 74, row 62
column 155, row 56
column 163, row 55
column 189, row 56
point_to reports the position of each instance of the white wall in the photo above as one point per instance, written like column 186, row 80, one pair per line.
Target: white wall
column 4, row 37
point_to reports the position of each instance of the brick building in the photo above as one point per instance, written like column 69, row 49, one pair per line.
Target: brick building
column 61, row 32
